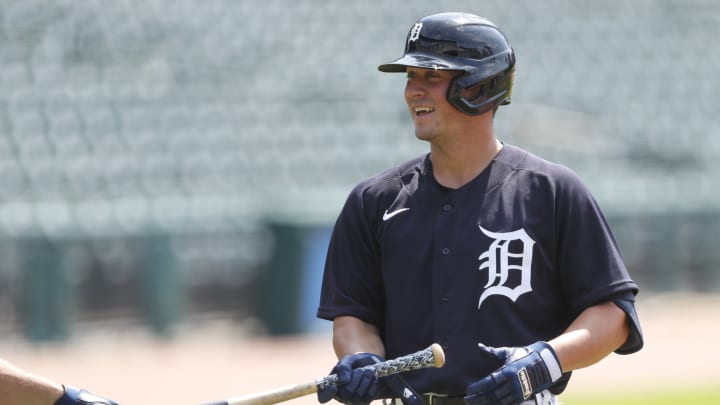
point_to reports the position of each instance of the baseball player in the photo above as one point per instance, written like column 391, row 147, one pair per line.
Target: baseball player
column 502, row 257
column 19, row 387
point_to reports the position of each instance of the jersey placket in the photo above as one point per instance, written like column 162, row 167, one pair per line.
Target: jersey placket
column 442, row 258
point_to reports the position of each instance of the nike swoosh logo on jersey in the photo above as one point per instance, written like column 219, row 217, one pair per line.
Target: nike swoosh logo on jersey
column 387, row 215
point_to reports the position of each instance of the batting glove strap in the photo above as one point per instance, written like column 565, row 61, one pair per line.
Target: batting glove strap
column 549, row 358
column 74, row 396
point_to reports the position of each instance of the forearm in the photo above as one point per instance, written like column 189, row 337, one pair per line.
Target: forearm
column 18, row 387
column 352, row 335
column 597, row 332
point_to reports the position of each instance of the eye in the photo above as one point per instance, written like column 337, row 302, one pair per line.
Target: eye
column 436, row 74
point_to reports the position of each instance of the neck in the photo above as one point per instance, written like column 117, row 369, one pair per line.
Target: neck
column 454, row 167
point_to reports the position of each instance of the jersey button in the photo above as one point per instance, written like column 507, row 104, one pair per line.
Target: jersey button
column 447, row 207
column 445, row 298
column 446, row 251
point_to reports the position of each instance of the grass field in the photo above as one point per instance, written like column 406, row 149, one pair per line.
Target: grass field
column 705, row 395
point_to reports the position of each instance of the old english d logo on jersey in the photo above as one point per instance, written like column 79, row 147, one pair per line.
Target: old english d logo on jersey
column 509, row 251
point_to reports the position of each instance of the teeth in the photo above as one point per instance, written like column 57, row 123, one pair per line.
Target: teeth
column 424, row 108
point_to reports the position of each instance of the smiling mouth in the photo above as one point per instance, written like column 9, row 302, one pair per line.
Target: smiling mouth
column 423, row 110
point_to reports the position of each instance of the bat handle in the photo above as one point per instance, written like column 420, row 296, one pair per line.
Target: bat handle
column 433, row 356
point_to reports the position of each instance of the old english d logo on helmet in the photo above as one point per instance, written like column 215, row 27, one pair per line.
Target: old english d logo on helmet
column 414, row 32
column 465, row 42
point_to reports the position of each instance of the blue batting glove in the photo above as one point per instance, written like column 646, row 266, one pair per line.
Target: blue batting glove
column 355, row 386
column 526, row 371
column 74, row 396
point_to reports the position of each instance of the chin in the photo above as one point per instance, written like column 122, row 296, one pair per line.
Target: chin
column 423, row 136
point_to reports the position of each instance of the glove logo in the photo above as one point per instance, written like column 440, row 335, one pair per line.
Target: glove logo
column 525, row 384
column 498, row 260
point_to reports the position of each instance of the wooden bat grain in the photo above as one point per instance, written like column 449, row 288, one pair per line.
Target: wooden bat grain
column 275, row 395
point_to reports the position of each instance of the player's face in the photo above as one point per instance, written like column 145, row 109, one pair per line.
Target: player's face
column 425, row 95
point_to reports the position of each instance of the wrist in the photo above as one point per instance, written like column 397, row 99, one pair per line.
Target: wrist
column 549, row 357
column 75, row 396
column 69, row 396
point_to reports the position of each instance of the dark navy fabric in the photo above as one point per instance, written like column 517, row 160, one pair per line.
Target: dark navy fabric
column 508, row 259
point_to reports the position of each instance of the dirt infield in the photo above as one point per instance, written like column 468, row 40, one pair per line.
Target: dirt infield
column 217, row 360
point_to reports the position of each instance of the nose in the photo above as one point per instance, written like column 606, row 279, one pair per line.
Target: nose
column 413, row 90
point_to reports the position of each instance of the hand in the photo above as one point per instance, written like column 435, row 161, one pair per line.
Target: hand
column 355, row 386
column 74, row 396
column 526, row 371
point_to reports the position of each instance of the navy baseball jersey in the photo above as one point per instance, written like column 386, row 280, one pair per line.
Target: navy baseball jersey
column 508, row 259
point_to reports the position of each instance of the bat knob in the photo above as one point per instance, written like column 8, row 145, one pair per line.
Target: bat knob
column 438, row 355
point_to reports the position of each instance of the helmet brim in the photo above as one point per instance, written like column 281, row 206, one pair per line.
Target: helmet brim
column 419, row 60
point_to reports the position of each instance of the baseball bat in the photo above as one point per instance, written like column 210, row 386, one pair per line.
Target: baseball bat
column 432, row 356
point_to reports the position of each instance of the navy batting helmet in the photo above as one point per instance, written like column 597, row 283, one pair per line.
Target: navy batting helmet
column 464, row 42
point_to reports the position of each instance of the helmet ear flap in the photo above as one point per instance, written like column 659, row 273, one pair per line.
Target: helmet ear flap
column 456, row 99
column 469, row 92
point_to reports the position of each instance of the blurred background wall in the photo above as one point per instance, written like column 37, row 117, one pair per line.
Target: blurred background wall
column 164, row 161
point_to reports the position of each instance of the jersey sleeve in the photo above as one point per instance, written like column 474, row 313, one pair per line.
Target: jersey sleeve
column 352, row 283
column 635, row 340
column 592, row 267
